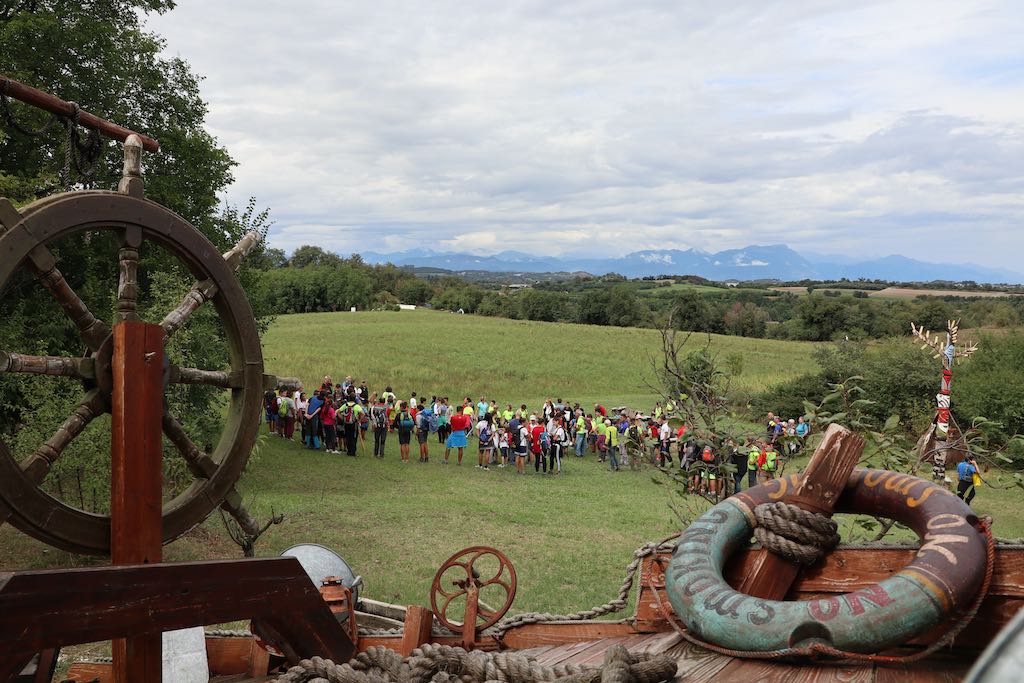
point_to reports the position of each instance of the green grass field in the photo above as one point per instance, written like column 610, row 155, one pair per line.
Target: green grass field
column 569, row 536
column 517, row 361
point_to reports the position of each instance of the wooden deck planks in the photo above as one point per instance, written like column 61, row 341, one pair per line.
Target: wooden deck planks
column 750, row 670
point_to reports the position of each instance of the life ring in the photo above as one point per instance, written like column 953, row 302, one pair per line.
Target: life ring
column 945, row 575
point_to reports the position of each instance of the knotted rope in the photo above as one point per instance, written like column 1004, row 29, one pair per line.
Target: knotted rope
column 445, row 664
column 794, row 533
column 617, row 604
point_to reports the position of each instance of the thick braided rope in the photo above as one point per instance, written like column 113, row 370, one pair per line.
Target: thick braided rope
column 444, row 664
column 794, row 533
column 615, row 605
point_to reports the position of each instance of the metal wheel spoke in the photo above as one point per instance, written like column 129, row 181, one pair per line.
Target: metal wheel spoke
column 57, row 366
column 93, row 330
column 202, row 466
column 205, row 290
column 38, row 465
column 128, row 275
column 213, row 378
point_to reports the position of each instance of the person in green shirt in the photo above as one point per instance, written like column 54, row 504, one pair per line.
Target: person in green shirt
column 581, row 433
column 753, row 455
column 508, row 413
column 347, row 416
column 769, row 464
column 611, row 436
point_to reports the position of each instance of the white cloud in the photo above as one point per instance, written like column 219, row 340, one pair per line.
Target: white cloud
column 593, row 126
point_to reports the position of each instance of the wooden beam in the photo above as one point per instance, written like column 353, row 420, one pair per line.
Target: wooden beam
column 819, row 488
column 418, row 624
column 136, row 487
column 57, row 106
column 112, row 602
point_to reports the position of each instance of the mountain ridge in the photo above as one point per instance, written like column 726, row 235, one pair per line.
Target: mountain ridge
column 754, row 262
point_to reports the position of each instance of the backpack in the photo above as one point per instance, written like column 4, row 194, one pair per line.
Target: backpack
column 283, row 408
column 485, row 435
column 634, row 434
column 545, row 440
column 405, row 421
column 380, row 417
column 424, row 421
column 349, row 415
column 515, row 437
column 762, row 459
column 601, row 439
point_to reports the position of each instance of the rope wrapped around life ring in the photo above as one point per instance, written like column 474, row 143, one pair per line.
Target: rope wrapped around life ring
column 798, row 535
column 444, row 664
column 941, row 582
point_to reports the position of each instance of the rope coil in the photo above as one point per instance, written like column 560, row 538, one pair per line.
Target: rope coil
column 796, row 534
column 446, row 664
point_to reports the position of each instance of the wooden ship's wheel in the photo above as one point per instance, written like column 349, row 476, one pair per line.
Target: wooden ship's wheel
column 24, row 240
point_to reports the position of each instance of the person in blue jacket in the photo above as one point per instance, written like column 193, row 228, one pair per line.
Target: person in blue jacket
column 966, row 471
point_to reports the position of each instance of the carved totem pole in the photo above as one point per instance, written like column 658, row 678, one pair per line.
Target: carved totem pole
column 936, row 441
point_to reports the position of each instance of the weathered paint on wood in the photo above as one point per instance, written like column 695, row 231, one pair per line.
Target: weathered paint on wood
column 819, row 488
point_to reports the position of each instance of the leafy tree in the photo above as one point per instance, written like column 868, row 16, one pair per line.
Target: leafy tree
column 308, row 255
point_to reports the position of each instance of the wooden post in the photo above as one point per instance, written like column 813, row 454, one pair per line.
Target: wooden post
column 819, row 488
column 419, row 622
column 136, row 476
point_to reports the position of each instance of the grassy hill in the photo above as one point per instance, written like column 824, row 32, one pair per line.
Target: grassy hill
column 514, row 361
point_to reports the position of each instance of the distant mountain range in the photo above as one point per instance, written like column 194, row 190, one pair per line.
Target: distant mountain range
column 770, row 262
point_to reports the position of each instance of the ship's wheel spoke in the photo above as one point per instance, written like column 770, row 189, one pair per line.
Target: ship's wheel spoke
column 212, row 378
column 56, row 366
column 128, row 275
column 93, row 330
column 205, row 290
column 38, row 465
column 202, row 466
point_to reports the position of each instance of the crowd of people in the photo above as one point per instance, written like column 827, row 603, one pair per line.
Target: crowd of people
column 344, row 416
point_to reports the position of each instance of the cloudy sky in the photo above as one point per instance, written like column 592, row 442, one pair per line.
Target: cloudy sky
column 606, row 126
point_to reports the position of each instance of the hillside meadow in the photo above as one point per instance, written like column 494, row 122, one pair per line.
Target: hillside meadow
column 518, row 361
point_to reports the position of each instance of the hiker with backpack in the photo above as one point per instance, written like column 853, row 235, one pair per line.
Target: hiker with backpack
column 313, row 409
column 444, row 420
column 270, row 408
column 424, row 425
column 285, row 415
column 767, row 463
column 328, row 414
column 611, row 434
column 582, row 432
column 559, row 440
column 708, row 472
column 460, row 424
column 665, row 443
column 348, row 417
column 539, row 442
column 753, row 456
column 404, row 424
column 379, row 420
column 483, row 435
column 301, row 402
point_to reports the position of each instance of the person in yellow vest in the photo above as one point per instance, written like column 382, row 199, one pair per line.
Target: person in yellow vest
column 753, row 455
column 768, row 464
column 611, row 435
column 657, row 410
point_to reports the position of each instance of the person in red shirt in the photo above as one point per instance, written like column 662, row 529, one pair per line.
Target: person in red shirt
column 538, row 453
column 457, row 439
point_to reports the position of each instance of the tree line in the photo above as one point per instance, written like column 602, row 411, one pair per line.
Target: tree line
column 312, row 279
